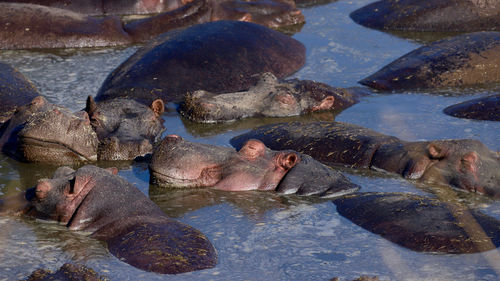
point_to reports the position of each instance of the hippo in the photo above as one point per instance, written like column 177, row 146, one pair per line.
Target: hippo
column 51, row 27
column 421, row 223
column 15, row 90
column 465, row 164
column 110, row 7
column 484, row 108
column 269, row 98
column 436, row 15
column 463, row 60
column 67, row 272
column 221, row 56
column 126, row 129
column 179, row 163
column 96, row 201
column 43, row 132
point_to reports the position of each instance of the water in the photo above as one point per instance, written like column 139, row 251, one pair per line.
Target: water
column 260, row 235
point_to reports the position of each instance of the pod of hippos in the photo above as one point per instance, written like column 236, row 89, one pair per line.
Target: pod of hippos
column 219, row 61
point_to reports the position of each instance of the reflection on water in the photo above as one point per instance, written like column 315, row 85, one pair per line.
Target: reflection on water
column 260, row 235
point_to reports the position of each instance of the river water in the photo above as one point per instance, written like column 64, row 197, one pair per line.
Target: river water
column 260, row 235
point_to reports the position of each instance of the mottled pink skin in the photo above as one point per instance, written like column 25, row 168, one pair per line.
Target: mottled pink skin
column 254, row 167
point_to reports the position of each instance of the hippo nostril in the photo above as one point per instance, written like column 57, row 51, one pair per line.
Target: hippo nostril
column 42, row 189
column 173, row 136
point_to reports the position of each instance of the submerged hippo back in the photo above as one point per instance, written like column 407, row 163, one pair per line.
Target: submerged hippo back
column 217, row 57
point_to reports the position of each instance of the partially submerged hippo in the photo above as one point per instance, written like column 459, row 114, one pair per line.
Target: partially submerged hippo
column 435, row 15
column 125, row 128
column 15, row 90
column 485, row 108
column 463, row 60
column 220, row 56
column 465, row 164
column 179, row 163
column 43, row 132
column 67, row 272
column 269, row 98
column 50, row 27
column 136, row 231
column 421, row 223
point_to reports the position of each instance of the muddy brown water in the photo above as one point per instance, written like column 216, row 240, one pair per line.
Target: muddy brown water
column 260, row 235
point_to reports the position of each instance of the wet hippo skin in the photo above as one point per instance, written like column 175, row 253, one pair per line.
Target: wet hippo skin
column 435, row 15
column 67, row 272
column 221, row 56
column 421, row 223
column 466, row 164
column 136, row 231
column 463, row 60
column 15, row 90
column 485, row 108
column 180, row 163
column 268, row 98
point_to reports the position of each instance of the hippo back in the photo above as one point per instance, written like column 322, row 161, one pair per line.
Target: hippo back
column 218, row 57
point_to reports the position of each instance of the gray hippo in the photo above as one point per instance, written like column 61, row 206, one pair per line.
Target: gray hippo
column 179, row 163
column 421, row 223
column 221, row 56
column 269, row 98
column 435, row 15
column 43, row 132
column 465, row 164
column 67, row 272
column 464, row 60
column 15, row 90
column 112, row 210
column 485, row 108
column 50, row 27
column 126, row 129
column 117, row 129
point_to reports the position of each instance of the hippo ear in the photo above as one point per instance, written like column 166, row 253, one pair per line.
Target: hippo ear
column 91, row 106
column 288, row 160
column 436, row 151
column 158, row 107
column 112, row 170
column 38, row 101
column 252, row 149
column 325, row 104
column 469, row 161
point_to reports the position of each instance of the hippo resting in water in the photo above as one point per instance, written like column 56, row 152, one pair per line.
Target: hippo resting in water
column 465, row 164
column 59, row 28
column 463, row 60
column 435, row 15
column 269, row 97
column 420, row 223
column 136, row 231
column 116, row 130
column 179, row 163
column 15, row 90
column 219, row 57
column 485, row 108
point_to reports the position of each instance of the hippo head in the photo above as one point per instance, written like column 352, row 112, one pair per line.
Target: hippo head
column 125, row 128
column 270, row 13
column 465, row 164
column 269, row 97
column 58, row 136
column 59, row 198
column 180, row 163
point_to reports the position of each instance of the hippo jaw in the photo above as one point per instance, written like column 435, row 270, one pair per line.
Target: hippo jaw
column 59, row 198
column 59, row 137
column 178, row 163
